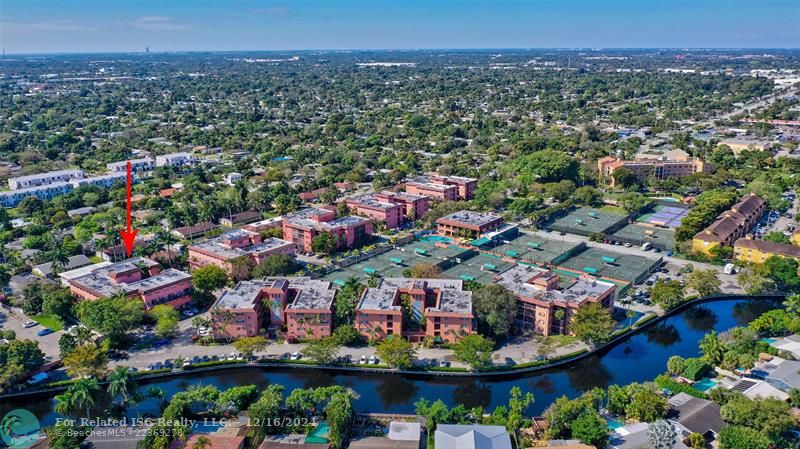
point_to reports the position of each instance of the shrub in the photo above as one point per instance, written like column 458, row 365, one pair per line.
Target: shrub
column 695, row 368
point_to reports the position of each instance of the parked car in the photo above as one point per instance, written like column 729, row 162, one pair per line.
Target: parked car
column 363, row 360
column 444, row 363
column 240, row 356
column 195, row 359
column 295, row 356
column 373, row 360
column 44, row 332
column 29, row 324
column 205, row 358
column 168, row 364
column 232, row 356
column 186, row 363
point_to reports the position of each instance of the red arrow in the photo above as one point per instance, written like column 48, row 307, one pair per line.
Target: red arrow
column 129, row 235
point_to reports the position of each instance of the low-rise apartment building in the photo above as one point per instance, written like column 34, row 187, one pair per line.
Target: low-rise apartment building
column 12, row 198
column 175, row 159
column 301, row 304
column 103, row 181
column 731, row 225
column 468, row 224
column 137, row 277
column 43, row 179
column 440, row 309
column 137, row 166
column 390, row 208
column 302, row 226
column 757, row 251
column 659, row 168
column 542, row 308
column 227, row 249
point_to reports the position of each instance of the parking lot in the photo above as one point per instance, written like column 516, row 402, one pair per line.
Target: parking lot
column 13, row 319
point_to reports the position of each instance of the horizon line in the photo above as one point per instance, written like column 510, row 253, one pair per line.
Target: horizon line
column 387, row 49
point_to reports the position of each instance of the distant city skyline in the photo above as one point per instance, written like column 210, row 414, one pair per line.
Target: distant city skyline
column 78, row 26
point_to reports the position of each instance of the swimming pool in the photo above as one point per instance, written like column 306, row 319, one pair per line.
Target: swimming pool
column 201, row 426
column 704, row 384
column 319, row 434
column 613, row 424
column 436, row 239
column 769, row 341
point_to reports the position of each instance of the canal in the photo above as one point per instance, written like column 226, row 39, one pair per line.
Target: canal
column 637, row 359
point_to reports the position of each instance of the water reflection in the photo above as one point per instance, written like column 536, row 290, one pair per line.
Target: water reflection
column 589, row 374
column 396, row 390
column 474, row 393
column 663, row 334
column 701, row 319
column 746, row 311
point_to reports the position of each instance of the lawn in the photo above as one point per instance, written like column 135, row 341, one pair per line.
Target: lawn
column 49, row 322
column 613, row 209
column 96, row 259
column 562, row 340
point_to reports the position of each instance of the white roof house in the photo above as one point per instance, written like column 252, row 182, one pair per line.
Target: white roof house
column 456, row 436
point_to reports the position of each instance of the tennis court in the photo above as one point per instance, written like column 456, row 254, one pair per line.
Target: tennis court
column 637, row 234
column 586, row 221
column 393, row 262
column 534, row 248
column 482, row 268
column 661, row 215
column 607, row 264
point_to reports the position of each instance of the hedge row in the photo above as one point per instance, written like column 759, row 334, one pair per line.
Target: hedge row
column 211, row 363
column 664, row 381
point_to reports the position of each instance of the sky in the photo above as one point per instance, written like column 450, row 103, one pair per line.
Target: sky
column 75, row 26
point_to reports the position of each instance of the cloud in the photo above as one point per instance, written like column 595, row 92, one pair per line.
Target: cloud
column 43, row 27
column 160, row 23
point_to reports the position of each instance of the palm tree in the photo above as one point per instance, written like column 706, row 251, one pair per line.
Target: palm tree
column 792, row 303
column 202, row 443
column 64, row 403
column 5, row 275
column 83, row 393
column 121, row 383
column 165, row 238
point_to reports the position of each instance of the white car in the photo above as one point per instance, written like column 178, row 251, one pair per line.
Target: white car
column 29, row 324
column 186, row 363
column 295, row 356
column 240, row 356
column 373, row 360
column 363, row 360
column 232, row 356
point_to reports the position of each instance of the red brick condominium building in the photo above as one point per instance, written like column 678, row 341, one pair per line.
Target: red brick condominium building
column 468, row 224
column 137, row 277
column 302, row 304
column 302, row 226
column 542, row 308
column 391, row 208
column 225, row 249
column 442, row 305
column 443, row 188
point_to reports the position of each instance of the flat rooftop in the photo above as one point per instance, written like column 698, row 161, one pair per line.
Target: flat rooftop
column 217, row 247
column 370, row 201
column 70, row 172
column 100, row 282
column 516, row 280
column 470, row 217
